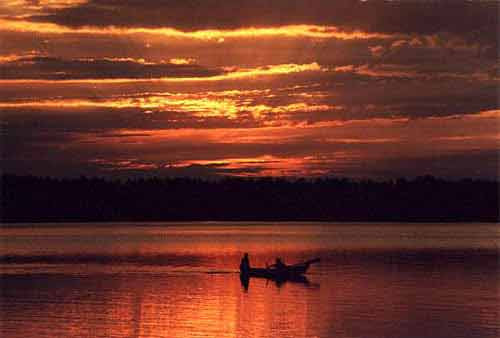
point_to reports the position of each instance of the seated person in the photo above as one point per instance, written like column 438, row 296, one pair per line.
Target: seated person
column 279, row 264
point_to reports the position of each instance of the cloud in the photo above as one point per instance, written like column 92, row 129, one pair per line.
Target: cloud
column 115, row 70
column 36, row 6
column 215, row 35
column 54, row 68
column 377, row 51
column 373, row 148
column 424, row 71
column 340, row 95
column 182, row 61
column 477, row 20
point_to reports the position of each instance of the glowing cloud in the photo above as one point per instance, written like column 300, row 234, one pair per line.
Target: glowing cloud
column 231, row 74
column 182, row 61
column 293, row 31
column 199, row 105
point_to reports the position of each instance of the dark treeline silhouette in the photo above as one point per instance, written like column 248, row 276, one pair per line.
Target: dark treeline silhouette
column 423, row 199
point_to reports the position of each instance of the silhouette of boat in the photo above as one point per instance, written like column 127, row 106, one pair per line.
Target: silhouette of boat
column 283, row 272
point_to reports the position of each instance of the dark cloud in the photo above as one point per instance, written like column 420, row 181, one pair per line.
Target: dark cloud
column 77, row 168
column 54, row 68
column 43, row 154
column 105, row 120
column 456, row 165
column 475, row 19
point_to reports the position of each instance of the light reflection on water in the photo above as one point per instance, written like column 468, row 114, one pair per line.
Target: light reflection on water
column 182, row 281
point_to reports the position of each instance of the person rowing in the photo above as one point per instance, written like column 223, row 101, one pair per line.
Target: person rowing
column 278, row 264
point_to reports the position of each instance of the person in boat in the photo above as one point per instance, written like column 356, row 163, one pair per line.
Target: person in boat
column 245, row 264
column 279, row 265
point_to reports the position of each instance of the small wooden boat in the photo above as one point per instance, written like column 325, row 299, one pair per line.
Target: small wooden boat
column 284, row 272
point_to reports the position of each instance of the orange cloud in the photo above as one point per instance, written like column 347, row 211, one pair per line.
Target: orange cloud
column 16, row 57
column 300, row 149
column 375, row 131
column 217, row 35
column 232, row 74
column 123, row 164
column 182, row 61
column 411, row 71
column 361, row 140
column 210, row 104
column 26, row 7
column 267, row 165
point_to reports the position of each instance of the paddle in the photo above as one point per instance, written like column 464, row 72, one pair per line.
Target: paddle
column 312, row 261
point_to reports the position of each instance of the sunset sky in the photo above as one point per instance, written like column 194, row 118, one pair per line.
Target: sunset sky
column 249, row 87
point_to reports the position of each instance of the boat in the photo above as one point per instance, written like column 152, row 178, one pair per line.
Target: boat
column 278, row 271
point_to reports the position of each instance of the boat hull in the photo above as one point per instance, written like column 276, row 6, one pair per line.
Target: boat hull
column 286, row 273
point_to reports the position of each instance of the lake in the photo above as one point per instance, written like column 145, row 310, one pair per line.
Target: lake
column 182, row 280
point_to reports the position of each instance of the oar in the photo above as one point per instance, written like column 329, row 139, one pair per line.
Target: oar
column 312, row 261
column 309, row 262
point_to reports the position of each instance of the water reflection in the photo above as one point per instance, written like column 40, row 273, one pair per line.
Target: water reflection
column 183, row 286
column 353, row 301
column 245, row 281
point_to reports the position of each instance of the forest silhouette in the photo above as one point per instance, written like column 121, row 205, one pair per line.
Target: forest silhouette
column 423, row 199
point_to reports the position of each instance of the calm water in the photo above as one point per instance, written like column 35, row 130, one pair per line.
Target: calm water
column 181, row 280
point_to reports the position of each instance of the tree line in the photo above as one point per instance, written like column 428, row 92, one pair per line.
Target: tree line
column 422, row 199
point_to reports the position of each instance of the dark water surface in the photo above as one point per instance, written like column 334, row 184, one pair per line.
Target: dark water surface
column 181, row 280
